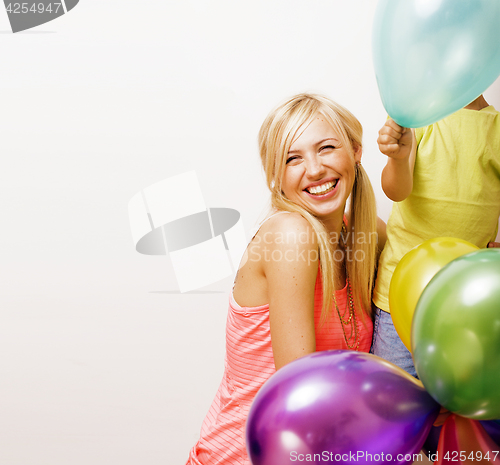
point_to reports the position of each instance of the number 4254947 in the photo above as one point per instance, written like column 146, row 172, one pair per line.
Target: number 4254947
column 33, row 7
column 478, row 455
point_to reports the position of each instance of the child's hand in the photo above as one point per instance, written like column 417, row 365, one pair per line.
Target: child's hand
column 394, row 140
column 492, row 245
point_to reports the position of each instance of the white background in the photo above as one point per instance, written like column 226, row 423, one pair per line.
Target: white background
column 102, row 360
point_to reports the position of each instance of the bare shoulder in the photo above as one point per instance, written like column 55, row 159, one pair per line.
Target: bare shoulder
column 288, row 245
column 285, row 230
column 283, row 255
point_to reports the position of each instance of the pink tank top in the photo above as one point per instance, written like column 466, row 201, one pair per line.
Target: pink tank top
column 249, row 363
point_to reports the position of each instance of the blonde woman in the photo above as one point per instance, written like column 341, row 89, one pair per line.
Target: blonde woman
column 305, row 281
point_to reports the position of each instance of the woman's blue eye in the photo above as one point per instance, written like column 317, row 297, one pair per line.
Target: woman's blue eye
column 291, row 159
column 329, row 147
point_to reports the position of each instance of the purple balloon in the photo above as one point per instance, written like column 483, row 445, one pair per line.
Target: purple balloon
column 339, row 406
column 431, row 443
column 492, row 427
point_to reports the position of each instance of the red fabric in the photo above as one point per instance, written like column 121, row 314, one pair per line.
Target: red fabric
column 465, row 442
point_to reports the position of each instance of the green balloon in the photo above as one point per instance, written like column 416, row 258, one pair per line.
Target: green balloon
column 456, row 335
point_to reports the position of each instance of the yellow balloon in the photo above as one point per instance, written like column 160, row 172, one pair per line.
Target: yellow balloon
column 414, row 272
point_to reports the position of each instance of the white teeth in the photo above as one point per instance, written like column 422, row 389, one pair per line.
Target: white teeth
column 322, row 188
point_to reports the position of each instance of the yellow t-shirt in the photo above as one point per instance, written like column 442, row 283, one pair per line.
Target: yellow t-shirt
column 456, row 190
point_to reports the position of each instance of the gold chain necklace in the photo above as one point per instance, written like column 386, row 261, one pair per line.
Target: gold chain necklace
column 351, row 321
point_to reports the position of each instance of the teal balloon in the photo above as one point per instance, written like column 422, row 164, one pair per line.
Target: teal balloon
column 456, row 335
column 433, row 57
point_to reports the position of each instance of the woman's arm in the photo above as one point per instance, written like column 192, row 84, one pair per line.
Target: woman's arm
column 290, row 267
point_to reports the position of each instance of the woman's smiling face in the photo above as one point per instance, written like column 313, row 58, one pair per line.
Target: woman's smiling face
column 320, row 171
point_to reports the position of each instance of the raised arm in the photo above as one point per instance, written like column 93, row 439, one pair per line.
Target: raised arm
column 291, row 267
column 381, row 235
column 496, row 243
column 400, row 146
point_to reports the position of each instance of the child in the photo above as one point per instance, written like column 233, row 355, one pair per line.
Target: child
column 445, row 182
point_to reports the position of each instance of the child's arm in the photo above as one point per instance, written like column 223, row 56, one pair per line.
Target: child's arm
column 496, row 244
column 400, row 145
column 381, row 235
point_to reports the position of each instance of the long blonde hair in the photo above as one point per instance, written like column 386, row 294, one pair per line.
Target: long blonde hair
column 276, row 135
